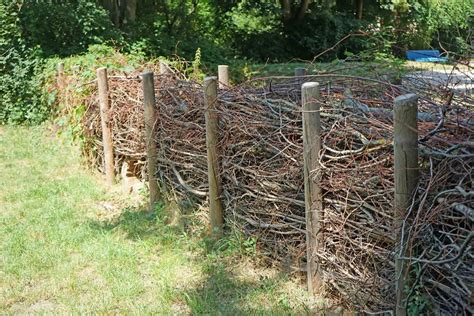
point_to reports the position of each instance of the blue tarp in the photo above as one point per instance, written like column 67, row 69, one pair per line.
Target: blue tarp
column 425, row 56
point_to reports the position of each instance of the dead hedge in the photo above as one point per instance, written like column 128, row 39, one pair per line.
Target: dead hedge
column 261, row 165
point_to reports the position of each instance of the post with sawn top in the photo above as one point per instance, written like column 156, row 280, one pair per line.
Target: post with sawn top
column 149, row 103
column 406, row 171
column 312, row 179
column 223, row 76
column 216, row 213
column 107, row 142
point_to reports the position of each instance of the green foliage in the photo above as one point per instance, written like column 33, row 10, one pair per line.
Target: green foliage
column 65, row 28
column 233, row 244
column 196, row 66
column 253, row 30
column 420, row 24
column 71, row 114
column 209, row 32
column 418, row 302
column 321, row 31
column 18, row 67
column 31, row 30
column 19, row 90
column 100, row 56
column 175, row 28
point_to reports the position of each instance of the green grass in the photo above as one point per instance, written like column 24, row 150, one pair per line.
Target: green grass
column 242, row 71
column 391, row 69
column 68, row 246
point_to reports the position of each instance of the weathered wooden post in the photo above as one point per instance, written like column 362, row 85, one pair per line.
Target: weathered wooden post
column 107, row 142
column 312, row 179
column 75, row 70
column 406, row 179
column 60, row 78
column 164, row 68
column 300, row 71
column 223, row 75
column 149, row 103
column 212, row 131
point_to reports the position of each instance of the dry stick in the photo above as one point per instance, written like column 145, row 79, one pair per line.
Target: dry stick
column 149, row 103
column 105, row 123
column 212, row 129
column 406, row 178
column 360, row 33
column 312, row 179
column 223, row 75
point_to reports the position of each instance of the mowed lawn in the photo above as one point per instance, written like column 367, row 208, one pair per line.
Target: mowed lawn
column 69, row 246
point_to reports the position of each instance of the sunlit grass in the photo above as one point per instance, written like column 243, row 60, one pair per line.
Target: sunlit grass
column 363, row 69
column 62, row 252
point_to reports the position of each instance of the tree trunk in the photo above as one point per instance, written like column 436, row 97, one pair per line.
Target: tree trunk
column 359, row 9
column 115, row 10
column 286, row 8
column 130, row 11
column 303, row 8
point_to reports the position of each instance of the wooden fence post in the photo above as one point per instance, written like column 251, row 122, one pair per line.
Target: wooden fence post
column 312, row 178
column 223, row 75
column 406, row 179
column 75, row 70
column 212, row 131
column 105, row 123
column 300, row 71
column 60, row 78
column 164, row 68
column 149, row 103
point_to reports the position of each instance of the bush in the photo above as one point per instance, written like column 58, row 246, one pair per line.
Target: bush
column 67, row 27
column 79, row 88
column 20, row 99
column 18, row 66
column 29, row 32
column 321, row 31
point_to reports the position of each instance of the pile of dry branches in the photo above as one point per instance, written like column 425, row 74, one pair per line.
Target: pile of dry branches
column 261, row 150
column 261, row 168
column 439, row 226
column 126, row 121
column 181, row 139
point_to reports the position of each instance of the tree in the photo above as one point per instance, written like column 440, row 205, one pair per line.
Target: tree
column 294, row 12
column 121, row 11
column 359, row 8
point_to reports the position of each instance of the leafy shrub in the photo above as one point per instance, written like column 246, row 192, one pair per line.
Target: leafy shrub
column 18, row 66
column 65, row 28
column 420, row 24
column 19, row 93
column 175, row 28
column 255, row 31
column 321, row 31
column 31, row 30
column 68, row 114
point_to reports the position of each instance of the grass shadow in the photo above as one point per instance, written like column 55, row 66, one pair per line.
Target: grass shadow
column 226, row 286
column 218, row 294
column 137, row 222
column 226, row 291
